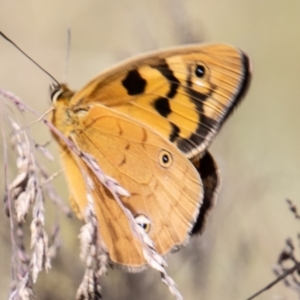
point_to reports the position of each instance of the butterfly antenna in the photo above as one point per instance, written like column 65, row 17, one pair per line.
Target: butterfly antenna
column 67, row 54
column 41, row 68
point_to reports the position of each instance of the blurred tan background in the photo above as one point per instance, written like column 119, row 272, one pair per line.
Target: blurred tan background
column 257, row 150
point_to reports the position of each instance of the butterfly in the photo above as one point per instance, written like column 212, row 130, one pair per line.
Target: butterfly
column 148, row 123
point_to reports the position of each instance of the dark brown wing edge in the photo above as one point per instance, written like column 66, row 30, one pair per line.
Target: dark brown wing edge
column 245, row 83
column 210, row 175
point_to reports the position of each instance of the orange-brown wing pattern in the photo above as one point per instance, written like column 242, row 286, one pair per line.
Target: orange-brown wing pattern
column 184, row 93
column 131, row 153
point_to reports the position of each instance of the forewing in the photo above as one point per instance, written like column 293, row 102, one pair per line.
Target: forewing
column 183, row 93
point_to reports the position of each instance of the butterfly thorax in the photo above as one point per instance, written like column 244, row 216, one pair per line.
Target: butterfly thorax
column 65, row 114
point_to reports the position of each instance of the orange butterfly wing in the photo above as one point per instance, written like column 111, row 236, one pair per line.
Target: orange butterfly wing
column 183, row 93
column 129, row 152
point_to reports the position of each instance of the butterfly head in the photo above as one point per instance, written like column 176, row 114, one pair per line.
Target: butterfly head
column 60, row 92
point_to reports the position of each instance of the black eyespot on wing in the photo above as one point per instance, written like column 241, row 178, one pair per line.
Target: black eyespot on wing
column 200, row 71
column 165, row 159
column 144, row 222
column 134, row 83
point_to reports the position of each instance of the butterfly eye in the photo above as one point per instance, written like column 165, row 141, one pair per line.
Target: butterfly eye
column 165, row 159
column 143, row 222
column 56, row 92
column 200, row 71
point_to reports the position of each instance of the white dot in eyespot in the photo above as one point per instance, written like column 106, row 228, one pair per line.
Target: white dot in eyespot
column 143, row 222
